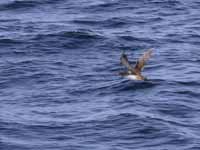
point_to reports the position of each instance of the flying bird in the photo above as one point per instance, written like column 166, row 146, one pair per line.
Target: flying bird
column 134, row 73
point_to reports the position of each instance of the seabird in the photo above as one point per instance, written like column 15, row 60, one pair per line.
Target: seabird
column 134, row 73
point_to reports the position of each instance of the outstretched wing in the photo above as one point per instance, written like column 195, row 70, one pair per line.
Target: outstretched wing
column 142, row 60
column 125, row 62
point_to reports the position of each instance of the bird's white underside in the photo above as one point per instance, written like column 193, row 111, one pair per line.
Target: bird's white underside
column 131, row 77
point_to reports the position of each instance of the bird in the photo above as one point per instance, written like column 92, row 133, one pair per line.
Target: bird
column 134, row 73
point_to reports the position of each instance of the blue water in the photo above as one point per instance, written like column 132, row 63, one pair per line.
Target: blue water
column 59, row 83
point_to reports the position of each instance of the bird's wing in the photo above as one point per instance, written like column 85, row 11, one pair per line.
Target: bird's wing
column 142, row 61
column 125, row 62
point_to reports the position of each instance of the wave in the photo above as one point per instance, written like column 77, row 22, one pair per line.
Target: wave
column 69, row 39
column 110, row 22
column 4, row 41
column 24, row 4
column 19, row 4
column 70, row 34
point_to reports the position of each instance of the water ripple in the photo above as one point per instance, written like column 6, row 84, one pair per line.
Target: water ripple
column 59, row 82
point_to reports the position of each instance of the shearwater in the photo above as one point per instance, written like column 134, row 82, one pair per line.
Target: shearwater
column 134, row 73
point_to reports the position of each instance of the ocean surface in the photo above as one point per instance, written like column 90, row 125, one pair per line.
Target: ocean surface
column 59, row 82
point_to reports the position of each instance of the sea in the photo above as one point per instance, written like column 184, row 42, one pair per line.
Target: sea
column 60, row 87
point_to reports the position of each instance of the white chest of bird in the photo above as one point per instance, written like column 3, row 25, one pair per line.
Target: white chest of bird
column 131, row 77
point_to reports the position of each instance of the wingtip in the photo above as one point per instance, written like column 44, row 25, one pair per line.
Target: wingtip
column 123, row 54
column 151, row 50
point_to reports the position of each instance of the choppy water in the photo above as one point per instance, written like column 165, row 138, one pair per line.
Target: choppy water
column 59, row 83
